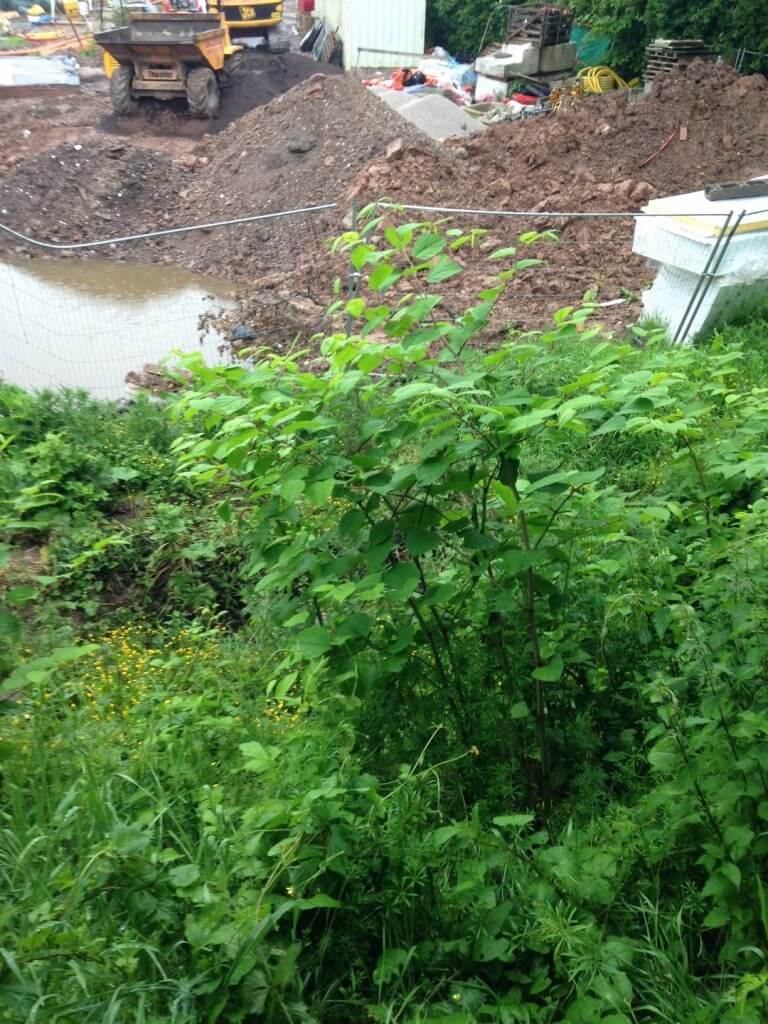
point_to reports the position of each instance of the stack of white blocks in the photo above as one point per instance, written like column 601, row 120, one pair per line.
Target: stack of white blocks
column 680, row 242
column 527, row 59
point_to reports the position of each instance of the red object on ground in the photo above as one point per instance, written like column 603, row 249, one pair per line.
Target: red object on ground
column 521, row 97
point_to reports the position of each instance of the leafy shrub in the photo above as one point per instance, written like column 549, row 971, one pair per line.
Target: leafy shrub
column 488, row 743
column 461, row 25
column 65, row 453
column 727, row 25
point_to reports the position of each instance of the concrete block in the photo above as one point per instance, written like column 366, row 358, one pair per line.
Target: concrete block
column 523, row 59
column 503, row 68
column 668, row 297
column 562, row 57
column 518, row 51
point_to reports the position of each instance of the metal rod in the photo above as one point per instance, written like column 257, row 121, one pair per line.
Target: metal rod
column 702, row 277
column 713, row 273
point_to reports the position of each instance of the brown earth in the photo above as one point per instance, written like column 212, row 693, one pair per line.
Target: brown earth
column 32, row 124
column 42, row 119
column 602, row 154
column 300, row 150
column 328, row 139
column 79, row 191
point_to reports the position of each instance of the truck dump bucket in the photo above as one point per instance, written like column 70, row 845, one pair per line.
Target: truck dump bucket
column 194, row 38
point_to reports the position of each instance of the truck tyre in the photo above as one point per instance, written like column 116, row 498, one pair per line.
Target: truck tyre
column 202, row 93
column 121, row 91
column 232, row 66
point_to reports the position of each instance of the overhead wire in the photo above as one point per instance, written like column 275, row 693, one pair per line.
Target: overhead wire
column 384, row 204
column 162, row 232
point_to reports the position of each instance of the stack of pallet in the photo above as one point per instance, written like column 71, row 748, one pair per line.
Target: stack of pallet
column 668, row 55
column 544, row 25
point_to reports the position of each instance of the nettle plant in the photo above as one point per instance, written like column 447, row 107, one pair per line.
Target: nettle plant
column 449, row 531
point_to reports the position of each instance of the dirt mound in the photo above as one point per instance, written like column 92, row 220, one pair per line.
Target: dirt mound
column 604, row 152
column 263, row 77
column 327, row 139
column 301, row 149
column 713, row 123
column 610, row 153
column 76, row 192
column 29, row 125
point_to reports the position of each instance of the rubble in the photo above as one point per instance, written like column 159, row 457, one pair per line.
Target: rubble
column 264, row 163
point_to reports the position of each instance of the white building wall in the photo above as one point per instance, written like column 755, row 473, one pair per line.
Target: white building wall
column 377, row 33
column 332, row 11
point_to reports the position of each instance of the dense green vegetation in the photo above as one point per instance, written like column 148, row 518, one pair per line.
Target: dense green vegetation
column 462, row 25
column 727, row 25
column 422, row 684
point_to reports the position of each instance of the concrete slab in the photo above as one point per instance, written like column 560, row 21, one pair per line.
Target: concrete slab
column 23, row 72
column 432, row 113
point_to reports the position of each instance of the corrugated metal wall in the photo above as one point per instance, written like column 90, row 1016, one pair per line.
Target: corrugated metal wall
column 332, row 11
column 377, row 33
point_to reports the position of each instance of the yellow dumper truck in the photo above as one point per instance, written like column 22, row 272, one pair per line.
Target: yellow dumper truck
column 169, row 55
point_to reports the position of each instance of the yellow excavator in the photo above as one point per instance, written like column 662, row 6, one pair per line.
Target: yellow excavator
column 247, row 21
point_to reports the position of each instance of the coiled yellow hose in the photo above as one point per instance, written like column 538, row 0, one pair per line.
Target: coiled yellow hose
column 602, row 79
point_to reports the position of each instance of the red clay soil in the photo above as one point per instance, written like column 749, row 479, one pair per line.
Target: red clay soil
column 328, row 139
column 602, row 154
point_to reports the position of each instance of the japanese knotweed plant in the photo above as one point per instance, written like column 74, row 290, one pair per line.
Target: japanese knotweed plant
column 433, row 520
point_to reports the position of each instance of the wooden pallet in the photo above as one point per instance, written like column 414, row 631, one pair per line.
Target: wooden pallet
column 670, row 55
column 546, row 25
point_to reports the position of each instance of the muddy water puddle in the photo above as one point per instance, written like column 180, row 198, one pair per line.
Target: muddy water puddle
column 85, row 324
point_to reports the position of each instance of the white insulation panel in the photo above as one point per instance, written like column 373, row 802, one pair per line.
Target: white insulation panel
column 680, row 243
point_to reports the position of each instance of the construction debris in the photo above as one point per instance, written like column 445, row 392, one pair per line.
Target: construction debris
column 536, row 58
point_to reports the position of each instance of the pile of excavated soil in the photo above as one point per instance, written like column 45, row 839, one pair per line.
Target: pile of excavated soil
column 82, row 191
column 263, row 77
column 302, row 149
column 601, row 154
column 327, row 139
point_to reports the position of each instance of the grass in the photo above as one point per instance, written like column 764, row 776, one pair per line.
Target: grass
column 11, row 42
